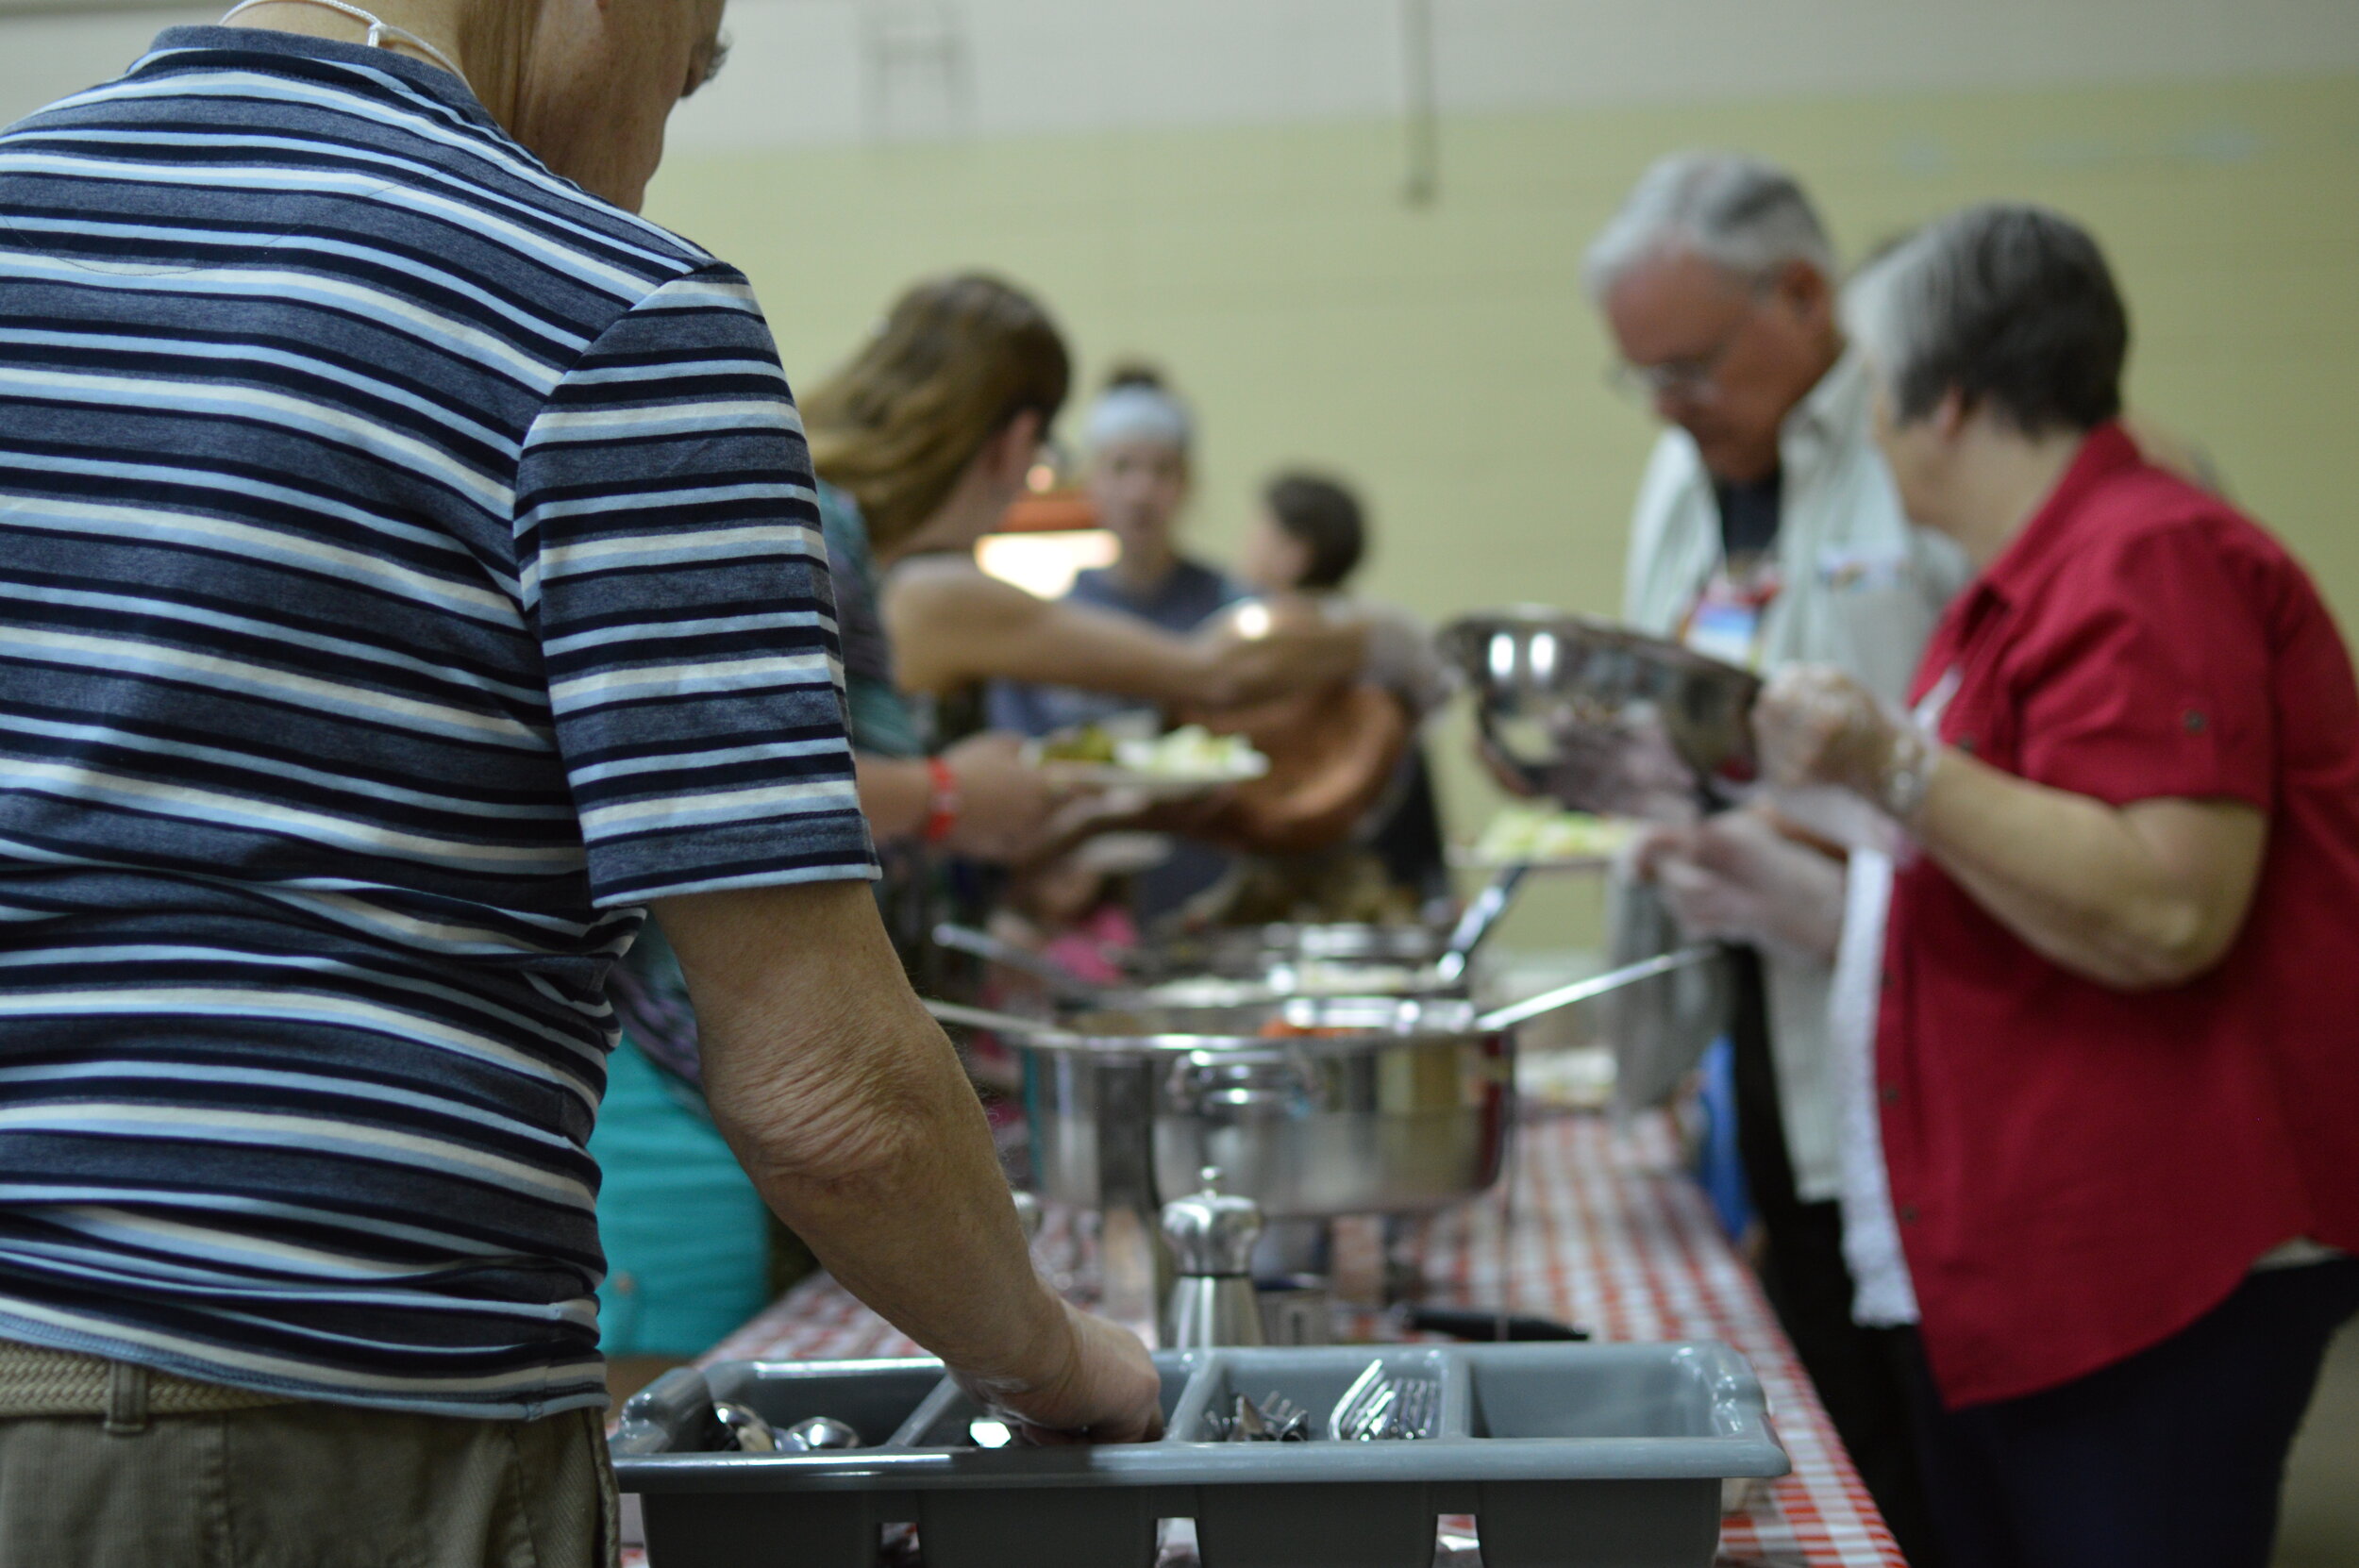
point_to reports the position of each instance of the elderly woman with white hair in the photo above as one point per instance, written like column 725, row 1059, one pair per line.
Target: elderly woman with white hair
column 2116, row 1086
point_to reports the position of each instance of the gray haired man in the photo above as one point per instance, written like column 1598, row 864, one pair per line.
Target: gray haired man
column 409, row 582
column 1768, row 532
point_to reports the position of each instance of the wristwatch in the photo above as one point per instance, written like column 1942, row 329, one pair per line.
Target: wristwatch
column 1908, row 775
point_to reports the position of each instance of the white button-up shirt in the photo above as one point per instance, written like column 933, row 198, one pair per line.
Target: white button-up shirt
column 1862, row 590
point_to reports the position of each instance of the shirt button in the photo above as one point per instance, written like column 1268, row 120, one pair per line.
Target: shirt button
column 1908, row 1213
column 1964, row 743
column 1890, row 1093
column 2195, row 721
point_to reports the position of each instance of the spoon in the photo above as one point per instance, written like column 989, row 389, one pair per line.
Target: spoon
column 747, row 1432
column 1475, row 923
column 818, row 1433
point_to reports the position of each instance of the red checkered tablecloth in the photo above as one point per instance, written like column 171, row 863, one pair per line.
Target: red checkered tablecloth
column 1605, row 1232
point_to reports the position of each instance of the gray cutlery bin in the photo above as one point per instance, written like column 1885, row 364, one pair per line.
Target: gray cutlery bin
column 1568, row 1455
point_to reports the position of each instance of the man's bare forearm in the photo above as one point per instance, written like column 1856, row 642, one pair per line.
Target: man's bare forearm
column 850, row 1112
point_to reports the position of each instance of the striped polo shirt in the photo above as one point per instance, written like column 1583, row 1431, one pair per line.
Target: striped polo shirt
column 409, row 569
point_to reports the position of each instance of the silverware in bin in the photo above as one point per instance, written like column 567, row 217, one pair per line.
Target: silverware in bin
column 743, row 1430
column 818, row 1434
column 1275, row 1419
column 1603, row 717
column 1312, row 1109
column 1617, row 1456
column 1378, row 1407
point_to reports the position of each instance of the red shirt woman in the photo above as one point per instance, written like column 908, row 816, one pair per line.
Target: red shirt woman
column 2119, row 1052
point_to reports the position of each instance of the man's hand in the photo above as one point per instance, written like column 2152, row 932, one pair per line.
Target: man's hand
column 851, row 1113
column 1105, row 1390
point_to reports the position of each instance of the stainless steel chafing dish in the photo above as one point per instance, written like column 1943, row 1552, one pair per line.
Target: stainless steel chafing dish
column 1312, row 1108
column 1406, row 1114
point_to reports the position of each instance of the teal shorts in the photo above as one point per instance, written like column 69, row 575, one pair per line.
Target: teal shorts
column 686, row 1236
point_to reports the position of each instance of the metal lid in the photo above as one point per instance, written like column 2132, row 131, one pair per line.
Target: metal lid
column 1210, row 1232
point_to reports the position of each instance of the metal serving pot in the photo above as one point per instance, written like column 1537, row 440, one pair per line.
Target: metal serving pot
column 1403, row 1121
column 1605, row 718
column 1312, row 1108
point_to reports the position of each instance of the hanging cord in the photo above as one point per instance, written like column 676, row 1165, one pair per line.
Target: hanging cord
column 379, row 30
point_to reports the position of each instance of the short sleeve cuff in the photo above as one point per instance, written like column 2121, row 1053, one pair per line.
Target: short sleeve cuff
column 836, row 848
column 2123, row 768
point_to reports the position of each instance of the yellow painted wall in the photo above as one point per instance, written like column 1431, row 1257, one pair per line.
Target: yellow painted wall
column 1444, row 356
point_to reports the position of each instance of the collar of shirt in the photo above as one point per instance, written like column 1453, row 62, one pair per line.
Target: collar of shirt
column 424, row 76
column 2031, row 557
column 1831, row 416
column 2032, row 554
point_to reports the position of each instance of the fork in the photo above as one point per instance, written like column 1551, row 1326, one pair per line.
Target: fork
column 1275, row 1419
column 1412, row 1414
column 1343, row 1421
column 1377, row 1408
column 1288, row 1421
column 1375, row 1417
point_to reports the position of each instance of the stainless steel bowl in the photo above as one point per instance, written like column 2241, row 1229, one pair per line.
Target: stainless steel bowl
column 1604, row 718
column 1407, row 1114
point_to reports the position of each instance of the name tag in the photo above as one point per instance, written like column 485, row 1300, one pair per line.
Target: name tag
column 1847, row 570
column 1726, row 621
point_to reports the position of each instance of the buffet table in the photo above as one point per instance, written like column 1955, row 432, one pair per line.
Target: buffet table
column 1606, row 1233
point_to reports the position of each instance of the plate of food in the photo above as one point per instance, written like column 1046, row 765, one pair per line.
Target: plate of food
column 1544, row 837
column 1187, row 761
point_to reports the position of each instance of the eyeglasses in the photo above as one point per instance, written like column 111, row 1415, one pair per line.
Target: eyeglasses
column 1689, row 379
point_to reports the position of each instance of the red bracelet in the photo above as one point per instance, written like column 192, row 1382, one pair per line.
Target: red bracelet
column 942, row 811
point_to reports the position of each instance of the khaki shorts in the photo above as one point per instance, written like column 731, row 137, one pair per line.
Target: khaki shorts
column 153, row 1471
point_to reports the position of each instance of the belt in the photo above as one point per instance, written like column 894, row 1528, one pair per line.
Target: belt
column 35, row 1381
